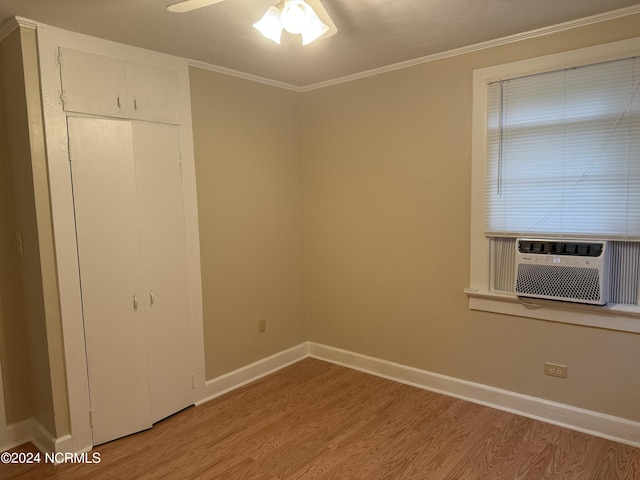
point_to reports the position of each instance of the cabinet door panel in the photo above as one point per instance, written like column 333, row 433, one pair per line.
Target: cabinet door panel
column 104, row 192
column 161, row 216
column 153, row 93
column 93, row 83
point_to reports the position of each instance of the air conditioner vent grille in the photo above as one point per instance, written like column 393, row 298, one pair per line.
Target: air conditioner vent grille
column 551, row 247
column 571, row 283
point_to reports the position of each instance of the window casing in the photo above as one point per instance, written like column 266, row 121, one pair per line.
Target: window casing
column 556, row 153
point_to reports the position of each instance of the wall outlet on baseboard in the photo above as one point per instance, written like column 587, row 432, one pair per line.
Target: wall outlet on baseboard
column 262, row 325
column 555, row 370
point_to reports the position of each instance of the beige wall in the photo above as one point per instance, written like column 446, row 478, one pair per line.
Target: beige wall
column 387, row 163
column 249, row 181
column 34, row 283
column 13, row 340
column 47, row 293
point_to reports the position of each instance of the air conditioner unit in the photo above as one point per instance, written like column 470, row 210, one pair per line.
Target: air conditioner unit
column 566, row 270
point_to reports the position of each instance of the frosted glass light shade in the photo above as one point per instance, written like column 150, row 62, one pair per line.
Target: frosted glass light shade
column 269, row 25
column 295, row 15
column 314, row 29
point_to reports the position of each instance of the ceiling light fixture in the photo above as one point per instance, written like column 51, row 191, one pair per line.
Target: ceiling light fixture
column 294, row 16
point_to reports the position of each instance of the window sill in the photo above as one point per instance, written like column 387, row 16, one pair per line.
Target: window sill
column 624, row 318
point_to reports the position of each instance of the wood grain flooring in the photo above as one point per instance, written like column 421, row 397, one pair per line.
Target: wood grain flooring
column 315, row 420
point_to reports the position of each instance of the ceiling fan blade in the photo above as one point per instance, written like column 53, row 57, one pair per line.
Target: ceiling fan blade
column 188, row 5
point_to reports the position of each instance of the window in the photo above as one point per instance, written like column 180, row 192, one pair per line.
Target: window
column 564, row 153
column 556, row 153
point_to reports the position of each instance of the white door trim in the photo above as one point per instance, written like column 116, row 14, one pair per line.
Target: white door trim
column 49, row 39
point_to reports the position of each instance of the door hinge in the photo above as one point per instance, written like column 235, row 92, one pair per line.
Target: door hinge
column 193, row 380
column 59, row 58
column 62, row 99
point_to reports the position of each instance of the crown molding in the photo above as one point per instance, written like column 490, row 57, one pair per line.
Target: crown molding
column 7, row 28
column 243, row 75
column 14, row 23
column 26, row 22
column 540, row 32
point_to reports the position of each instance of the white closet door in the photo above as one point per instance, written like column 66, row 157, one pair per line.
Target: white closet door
column 161, row 216
column 104, row 193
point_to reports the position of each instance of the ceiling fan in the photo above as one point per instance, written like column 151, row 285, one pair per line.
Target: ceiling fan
column 305, row 17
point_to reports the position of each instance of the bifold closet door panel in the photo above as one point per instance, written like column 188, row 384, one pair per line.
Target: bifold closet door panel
column 104, row 190
column 161, row 218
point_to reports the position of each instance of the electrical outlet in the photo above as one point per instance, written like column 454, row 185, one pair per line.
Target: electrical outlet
column 262, row 325
column 555, row 370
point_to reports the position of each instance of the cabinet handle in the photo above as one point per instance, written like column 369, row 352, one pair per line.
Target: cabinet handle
column 152, row 299
column 135, row 104
column 118, row 100
column 135, row 303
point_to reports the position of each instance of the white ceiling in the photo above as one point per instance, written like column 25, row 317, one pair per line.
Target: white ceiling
column 371, row 33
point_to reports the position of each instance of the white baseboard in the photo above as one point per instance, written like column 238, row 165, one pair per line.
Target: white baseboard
column 31, row 430
column 17, row 434
column 41, row 438
column 242, row 376
column 586, row 421
column 567, row 416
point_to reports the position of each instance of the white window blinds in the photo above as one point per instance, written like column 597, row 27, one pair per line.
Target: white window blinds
column 563, row 153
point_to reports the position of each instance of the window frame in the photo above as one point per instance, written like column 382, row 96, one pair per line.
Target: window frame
column 616, row 317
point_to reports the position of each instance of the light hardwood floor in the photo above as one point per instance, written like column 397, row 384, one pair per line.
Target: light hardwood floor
column 314, row 420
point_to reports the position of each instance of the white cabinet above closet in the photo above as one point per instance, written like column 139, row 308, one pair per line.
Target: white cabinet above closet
column 93, row 84
column 110, row 87
column 152, row 93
